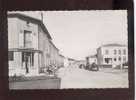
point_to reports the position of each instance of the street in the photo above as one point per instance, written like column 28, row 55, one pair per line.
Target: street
column 73, row 77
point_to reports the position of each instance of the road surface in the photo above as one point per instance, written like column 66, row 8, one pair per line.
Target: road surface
column 73, row 77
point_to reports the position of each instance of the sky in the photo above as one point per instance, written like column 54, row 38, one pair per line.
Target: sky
column 78, row 34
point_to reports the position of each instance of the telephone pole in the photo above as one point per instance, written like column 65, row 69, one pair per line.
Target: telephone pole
column 41, row 16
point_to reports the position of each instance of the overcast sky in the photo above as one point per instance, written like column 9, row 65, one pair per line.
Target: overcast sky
column 79, row 33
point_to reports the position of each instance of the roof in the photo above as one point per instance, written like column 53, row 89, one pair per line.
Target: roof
column 71, row 59
column 34, row 20
column 112, row 45
column 53, row 45
column 61, row 55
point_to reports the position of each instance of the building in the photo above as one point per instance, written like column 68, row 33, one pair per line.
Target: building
column 66, row 62
column 61, row 60
column 71, row 61
column 54, row 54
column 78, row 63
column 111, row 55
column 91, row 59
column 30, row 45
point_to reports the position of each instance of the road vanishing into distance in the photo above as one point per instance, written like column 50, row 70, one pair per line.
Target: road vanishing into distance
column 73, row 77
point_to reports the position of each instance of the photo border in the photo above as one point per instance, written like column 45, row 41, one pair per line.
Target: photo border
column 65, row 94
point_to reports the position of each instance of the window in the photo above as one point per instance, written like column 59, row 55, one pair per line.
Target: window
column 28, row 23
column 27, row 39
column 115, row 52
column 106, row 52
column 11, row 55
column 124, row 52
column 119, row 58
column 120, row 52
column 124, row 59
column 108, row 60
column 115, row 59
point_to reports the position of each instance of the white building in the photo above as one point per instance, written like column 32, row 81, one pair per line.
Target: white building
column 92, row 59
column 111, row 55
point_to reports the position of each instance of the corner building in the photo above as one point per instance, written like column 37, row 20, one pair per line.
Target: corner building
column 111, row 55
column 29, row 45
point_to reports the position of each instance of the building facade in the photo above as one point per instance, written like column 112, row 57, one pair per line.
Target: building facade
column 30, row 45
column 111, row 55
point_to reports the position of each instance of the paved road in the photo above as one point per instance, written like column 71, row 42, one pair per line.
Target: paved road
column 79, row 78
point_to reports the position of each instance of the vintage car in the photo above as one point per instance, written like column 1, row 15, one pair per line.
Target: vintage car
column 93, row 67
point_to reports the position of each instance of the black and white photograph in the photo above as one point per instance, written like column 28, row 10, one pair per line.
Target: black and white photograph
column 68, row 49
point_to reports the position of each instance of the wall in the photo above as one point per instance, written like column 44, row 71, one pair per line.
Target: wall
column 99, row 56
column 54, row 52
column 33, row 27
column 44, row 47
column 13, row 42
column 22, row 25
column 16, row 27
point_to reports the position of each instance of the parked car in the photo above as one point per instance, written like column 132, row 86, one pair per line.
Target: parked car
column 81, row 66
column 94, row 67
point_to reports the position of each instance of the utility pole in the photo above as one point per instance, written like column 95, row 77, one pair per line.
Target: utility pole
column 41, row 16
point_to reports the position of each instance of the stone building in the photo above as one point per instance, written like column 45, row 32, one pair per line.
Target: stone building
column 112, row 55
column 30, row 45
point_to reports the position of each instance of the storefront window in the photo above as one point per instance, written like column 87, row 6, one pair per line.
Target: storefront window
column 108, row 60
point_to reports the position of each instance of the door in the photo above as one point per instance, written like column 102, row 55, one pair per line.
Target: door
column 27, row 60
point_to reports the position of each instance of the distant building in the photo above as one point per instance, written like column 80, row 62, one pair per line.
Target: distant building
column 66, row 62
column 30, row 45
column 111, row 55
column 91, row 59
column 71, row 61
column 61, row 60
